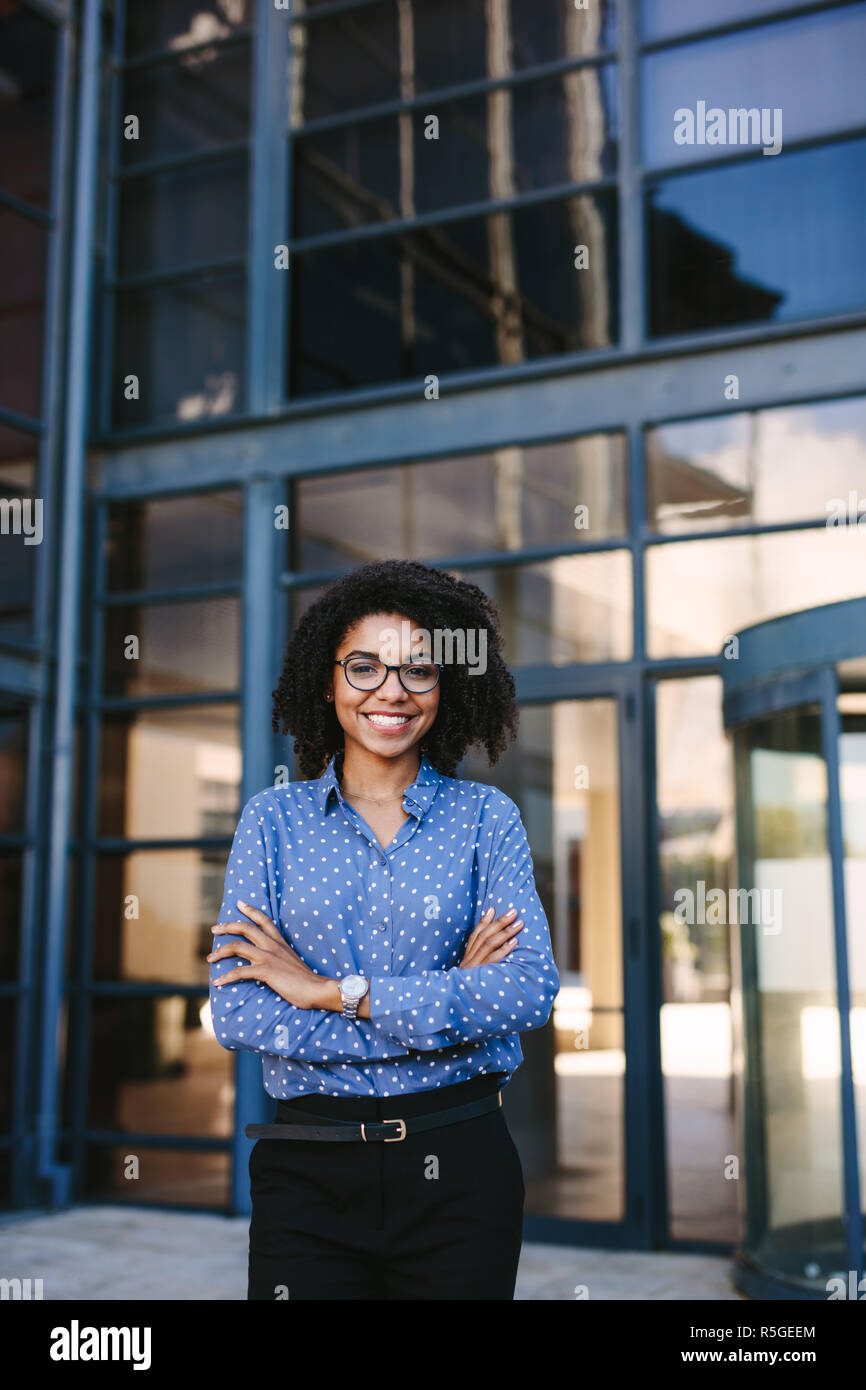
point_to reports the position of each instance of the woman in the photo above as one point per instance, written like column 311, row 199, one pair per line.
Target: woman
column 381, row 944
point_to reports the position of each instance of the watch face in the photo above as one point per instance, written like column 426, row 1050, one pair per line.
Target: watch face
column 354, row 986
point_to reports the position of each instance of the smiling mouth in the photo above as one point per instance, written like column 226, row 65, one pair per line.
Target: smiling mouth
column 390, row 721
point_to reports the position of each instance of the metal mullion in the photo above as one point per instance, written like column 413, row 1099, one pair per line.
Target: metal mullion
column 493, row 559
column 119, row 704
column 108, row 317
column 166, row 164
column 769, row 528
column 745, row 23
column 830, row 736
column 123, row 598
column 182, row 275
column 636, row 510
column 632, row 326
column 82, row 965
column 29, row 211
column 445, row 96
column 407, row 225
column 158, row 57
column 267, row 287
column 119, row 844
column 748, row 154
column 27, row 424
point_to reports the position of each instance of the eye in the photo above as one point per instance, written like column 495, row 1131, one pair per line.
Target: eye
column 419, row 670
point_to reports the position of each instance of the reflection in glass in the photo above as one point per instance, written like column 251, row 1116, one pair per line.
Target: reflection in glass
column 27, row 56
column 733, row 245
column 808, row 70
column 504, row 500
column 22, row 310
column 795, row 1164
column 182, row 648
column 154, row 912
column 790, row 464
column 561, row 130
column 154, row 1067
column 575, row 608
column 172, row 542
column 183, row 216
column 700, row 592
column 852, row 789
column 185, row 343
column 696, row 847
column 455, row 297
column 167, row 1177
column 179, row 24
column 566, row 1102
column 170, row 772
column 389, row 52
column 199, row 101
column 13, row 767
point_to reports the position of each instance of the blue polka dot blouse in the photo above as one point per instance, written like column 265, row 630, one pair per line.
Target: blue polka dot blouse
column 399, row 916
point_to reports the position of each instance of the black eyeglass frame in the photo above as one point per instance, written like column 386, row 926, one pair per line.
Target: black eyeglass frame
column 341, row 661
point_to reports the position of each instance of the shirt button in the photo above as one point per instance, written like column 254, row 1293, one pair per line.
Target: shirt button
column 383, row 926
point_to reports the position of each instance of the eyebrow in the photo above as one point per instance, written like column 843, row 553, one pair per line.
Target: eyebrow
column 374, row 657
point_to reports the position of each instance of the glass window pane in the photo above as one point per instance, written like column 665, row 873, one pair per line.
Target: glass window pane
column 178, row 24
column 576, row 608
column 455, row 297
column 13, row 767
column 497, row 145
column 22, row 519
column 345, row 61
column 168, row 772
column 701, row 592
column 505, row 500
column 175, row 541
column 791, row 1004
column 182, row 217
column 10, row 914
column 799, row 78
column 155, row 1068
column 797, row 463
column 186, row 345
column 154, row 910
column 696, row 854
column 167, row 1177
column 661, row 19
column 27, row 57
column 566, row 1104
column 201, row 100
column 22, row 311
column 743, row 245
column 181, row 648
column 852, row 789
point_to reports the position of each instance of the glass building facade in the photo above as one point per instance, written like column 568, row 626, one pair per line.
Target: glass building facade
column 288, row 289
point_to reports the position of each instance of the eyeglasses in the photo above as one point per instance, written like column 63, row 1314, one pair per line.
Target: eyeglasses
column 365, row 673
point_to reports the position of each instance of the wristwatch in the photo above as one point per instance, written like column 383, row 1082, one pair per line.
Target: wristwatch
column 352, row 989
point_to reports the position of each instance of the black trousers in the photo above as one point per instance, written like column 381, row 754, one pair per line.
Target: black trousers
column 438, row 1215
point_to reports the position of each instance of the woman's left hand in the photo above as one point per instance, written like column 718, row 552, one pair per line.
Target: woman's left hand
column 272, row 960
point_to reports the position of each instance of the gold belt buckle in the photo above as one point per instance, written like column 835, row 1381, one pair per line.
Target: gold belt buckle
column 397, row 1137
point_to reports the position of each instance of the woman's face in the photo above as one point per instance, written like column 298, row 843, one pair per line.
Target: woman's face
column 390, row 720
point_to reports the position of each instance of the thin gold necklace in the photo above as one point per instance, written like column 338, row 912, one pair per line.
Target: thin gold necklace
column 380, row 801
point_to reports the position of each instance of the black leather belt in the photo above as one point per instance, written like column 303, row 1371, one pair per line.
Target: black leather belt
column 343, row 1131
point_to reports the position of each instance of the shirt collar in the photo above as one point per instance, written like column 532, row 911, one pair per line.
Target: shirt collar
column 419, row 796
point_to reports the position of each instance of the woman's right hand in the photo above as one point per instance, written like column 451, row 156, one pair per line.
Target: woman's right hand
column 492, row 939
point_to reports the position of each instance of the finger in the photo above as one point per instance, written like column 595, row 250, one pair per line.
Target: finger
column 246, row 929
column 243, row 972
column 266, row 923
column 511, row 930
column 241, row 948
column 493, row 928
column 501, row 953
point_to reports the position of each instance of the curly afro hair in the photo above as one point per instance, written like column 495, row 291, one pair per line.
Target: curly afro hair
column 473, row 710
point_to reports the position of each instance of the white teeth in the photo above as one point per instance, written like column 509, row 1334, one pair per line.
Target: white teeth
column 388, row 719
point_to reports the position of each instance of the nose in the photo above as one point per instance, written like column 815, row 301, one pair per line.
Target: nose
column 391, row 687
